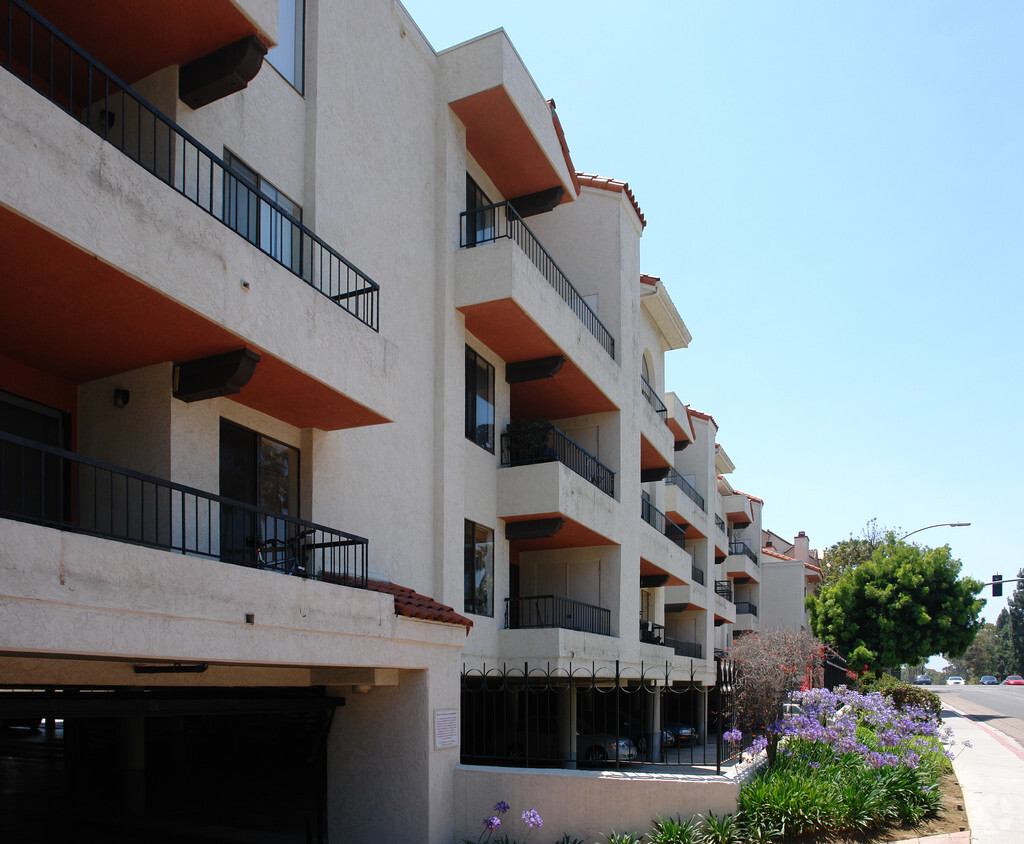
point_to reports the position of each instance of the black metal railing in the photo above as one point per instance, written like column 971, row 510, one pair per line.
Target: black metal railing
column 651, row 633
column 719, row 523
column 697, row 574
column 724, row 588
column 547, row 611
column 662, row 523
column 544, row 443
column 679, row 481
column 63, row 490
column 740, row 546
column 652, row 398
column 746, row 607
column 690, row 649
column 54, row 66
column 491, row 222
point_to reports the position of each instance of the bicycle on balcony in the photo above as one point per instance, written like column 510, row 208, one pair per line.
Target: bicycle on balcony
column 285, row 555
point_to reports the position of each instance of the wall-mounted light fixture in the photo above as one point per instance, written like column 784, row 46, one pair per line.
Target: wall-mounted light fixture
column 121, row 397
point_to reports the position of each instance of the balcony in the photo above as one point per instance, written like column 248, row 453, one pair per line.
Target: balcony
column 653, row 399
column 741, row 546
column 742, row 563
column 527, row 444
column 662, row 523
column 693, row 650
column 719, row 523
column 746, row 617
column 84, row 89
column 555, row 611
column 493, row 222
column 678, row 481
column 697, row 574
column 724, row 588
column 746, row 608
column 66, row 491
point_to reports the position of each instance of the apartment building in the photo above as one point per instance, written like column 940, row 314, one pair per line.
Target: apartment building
column 792, row 572
column 329, row 387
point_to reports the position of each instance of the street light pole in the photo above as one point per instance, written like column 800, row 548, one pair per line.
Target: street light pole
column 929, row 527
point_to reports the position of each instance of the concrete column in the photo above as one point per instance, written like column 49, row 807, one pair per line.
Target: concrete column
column 131, row 764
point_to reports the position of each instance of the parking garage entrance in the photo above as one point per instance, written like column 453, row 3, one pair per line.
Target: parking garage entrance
column 164, row 765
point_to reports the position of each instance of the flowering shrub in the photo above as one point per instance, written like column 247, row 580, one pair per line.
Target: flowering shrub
column 848, row 761
column 531, row 821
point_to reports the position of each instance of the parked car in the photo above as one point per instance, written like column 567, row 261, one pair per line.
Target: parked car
column 683, row 735
column 954, row 681
column 989, row 680
column 1013, row 680
column 923, row 680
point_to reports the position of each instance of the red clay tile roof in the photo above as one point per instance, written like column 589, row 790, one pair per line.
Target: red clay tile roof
column 706, row 416
column 652, row 280
column 751, row 497
column 603, row 182
column 410, row 603
column 564, row 145
column 771, row 552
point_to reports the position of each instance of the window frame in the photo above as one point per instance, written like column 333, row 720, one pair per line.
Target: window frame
column 474, row 362
column 295, row 48
column 478, row 581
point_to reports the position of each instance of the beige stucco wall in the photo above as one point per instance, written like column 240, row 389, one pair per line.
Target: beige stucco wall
column 585, row 804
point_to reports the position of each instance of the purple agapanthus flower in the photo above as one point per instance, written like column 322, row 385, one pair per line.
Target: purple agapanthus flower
column 492, row 823
column 532, row 819
column 501, row 807
column 732, row 735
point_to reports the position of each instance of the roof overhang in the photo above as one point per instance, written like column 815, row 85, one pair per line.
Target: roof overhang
column 659, row 307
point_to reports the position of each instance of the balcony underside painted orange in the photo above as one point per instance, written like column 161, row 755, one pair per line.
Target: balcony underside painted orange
column 678, row 431
column 650, row 457
column 572, row 535
column 647, row 567
column 135, row 39
column 508, row 330
column 500, row 140
column 76, row 318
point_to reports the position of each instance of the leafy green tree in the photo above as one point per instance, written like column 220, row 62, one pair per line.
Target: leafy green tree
column 903, row 605
column 849, row 553
column 1004, row 659
column 980, row 657
column 1015, row 608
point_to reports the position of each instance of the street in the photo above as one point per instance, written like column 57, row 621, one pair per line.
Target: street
column 1000, row 707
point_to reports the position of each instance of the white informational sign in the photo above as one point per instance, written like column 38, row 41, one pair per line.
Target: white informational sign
column 446, row 728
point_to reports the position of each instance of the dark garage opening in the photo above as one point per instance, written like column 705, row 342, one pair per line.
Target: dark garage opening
column 164, row 765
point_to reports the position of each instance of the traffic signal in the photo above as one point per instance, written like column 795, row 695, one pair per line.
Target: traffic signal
column 997, row 586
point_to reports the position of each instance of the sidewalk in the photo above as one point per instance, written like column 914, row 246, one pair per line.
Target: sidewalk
column 991, row 775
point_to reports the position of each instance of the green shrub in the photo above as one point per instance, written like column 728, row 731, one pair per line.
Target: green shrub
column 673, row 831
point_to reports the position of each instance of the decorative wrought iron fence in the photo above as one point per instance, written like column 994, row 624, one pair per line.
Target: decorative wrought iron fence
column 586, row 717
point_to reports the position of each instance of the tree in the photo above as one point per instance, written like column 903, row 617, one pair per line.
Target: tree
column 849, row 553
column 1004, row 659
column 902, row 605
column 980, row 657
column 1015, row 609
column 770, row 665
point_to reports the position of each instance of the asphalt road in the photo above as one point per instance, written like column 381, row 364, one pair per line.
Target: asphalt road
column 1001, row 707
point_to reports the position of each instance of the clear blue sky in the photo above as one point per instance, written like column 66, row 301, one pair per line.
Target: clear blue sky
column 834, row 197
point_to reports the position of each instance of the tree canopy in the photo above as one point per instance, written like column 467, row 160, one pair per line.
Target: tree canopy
column 1015, row 625
column 902, row 605
column 849, row 553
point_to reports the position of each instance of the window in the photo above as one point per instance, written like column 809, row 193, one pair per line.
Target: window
column 479, row 225
column 479, row 569
column 247, row 209
column 479, row 400
column 261, row 472
column 288, row 55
